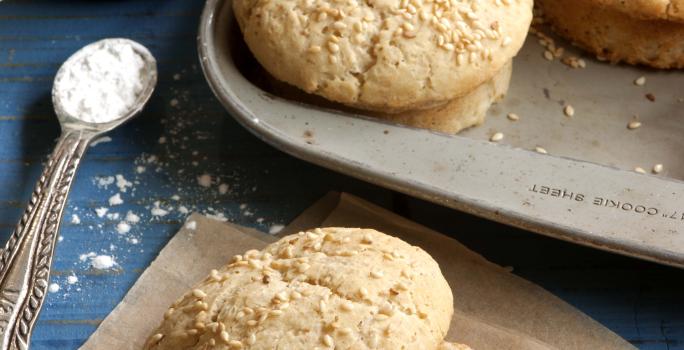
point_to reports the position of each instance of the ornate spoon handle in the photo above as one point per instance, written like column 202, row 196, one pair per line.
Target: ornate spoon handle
column 25, row 262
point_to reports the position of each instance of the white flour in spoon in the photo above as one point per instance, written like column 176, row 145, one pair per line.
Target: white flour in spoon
column 103, row 85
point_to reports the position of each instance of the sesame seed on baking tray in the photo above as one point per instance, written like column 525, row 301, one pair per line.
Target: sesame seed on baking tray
column 496, row 137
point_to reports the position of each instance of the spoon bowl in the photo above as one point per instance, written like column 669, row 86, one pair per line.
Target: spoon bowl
column 73, row 122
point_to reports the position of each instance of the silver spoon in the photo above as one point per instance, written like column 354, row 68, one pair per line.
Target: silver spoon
column 25, row 261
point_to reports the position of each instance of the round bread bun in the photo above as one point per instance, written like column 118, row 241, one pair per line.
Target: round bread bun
column 322, row 289
column 647, row 32
column 462, row 112
column 384, row 55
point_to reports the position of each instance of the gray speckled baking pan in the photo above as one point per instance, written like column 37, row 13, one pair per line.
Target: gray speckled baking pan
column 583, row 191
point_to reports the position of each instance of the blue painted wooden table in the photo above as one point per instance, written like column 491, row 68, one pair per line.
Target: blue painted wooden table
column 184, row 134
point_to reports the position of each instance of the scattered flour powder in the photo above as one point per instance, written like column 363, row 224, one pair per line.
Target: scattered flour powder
column 102, row 85
column 204, row 180
column 101, row 212
column 132, row 218
column 115, row 199
column 123, row 227
column 275, row 229
column 53, row 288
column 98, row 262
column 102, row 262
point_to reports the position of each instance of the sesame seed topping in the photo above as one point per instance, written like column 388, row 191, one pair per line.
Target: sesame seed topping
column 345, row 331
column 496, row 137
column 548, row 55
column 513, row 117
column 386, row 310
column 276, row 312
column 251, row 339
column 640, row 81
column 321, row 306
column 235, row 344
column 376, row 273
column 328, row 341
column 540, row 150
column 332, row 47
column 199, row 294
column 303, row 267
column 657, row 169
column 314, row 49
column 346, row 306
column 156, row 338
column 339, row 25
column 633, row 125
column 569, row 110
column 367, row 239
column 214, row 275
column 255, row 264
column 640, row 170
column 252, row 323
column 282, row 296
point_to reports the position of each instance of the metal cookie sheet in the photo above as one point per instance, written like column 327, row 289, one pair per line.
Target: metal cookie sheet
column 583, row 191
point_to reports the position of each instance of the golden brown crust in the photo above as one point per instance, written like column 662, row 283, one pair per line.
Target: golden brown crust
column 672, row 10
column 615, row 36
column 460, row 113
column 384, row 55
column 340, row 288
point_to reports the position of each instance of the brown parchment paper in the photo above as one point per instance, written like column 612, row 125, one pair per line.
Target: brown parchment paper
column 494, row 309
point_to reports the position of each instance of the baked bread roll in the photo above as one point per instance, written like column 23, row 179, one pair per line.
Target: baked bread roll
column 323, row 289
column 648, row 32
column 387, row 56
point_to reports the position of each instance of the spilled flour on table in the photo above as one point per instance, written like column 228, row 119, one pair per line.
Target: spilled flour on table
column 151, row 196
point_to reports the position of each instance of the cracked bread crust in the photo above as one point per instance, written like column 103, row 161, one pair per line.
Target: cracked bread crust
column 616, row 35
column 384, row 55
column 326, row 288
column 462, row 112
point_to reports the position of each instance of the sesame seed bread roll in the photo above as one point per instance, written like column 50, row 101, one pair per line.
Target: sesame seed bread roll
column 332, row 288
column 645, row 32
column 384, row 55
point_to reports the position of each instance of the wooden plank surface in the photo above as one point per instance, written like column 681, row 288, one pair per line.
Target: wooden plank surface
column 642, row 302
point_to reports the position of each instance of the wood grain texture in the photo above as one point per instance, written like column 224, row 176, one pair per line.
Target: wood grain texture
column 642, row 302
